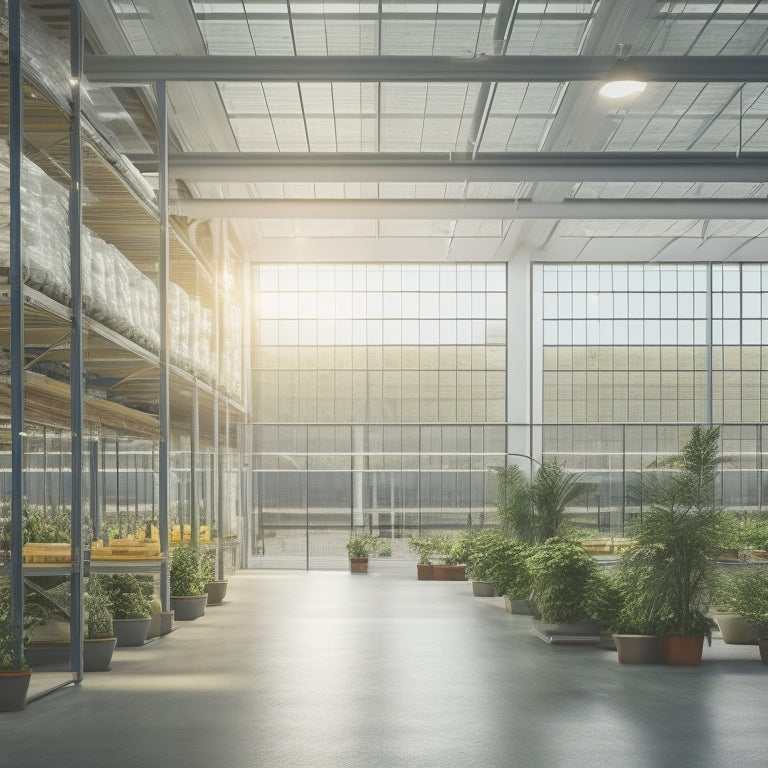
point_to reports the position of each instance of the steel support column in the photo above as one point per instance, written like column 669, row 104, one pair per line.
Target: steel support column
column 15, row 279
column 164, row 394
column 76, row 366
column 194, row 449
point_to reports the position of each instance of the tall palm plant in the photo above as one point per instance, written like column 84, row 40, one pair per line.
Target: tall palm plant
column 670, row 566
column 533, row 510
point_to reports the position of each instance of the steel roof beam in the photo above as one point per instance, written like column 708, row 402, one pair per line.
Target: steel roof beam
column 597, row 209
column 247, row 167
column 121, row 70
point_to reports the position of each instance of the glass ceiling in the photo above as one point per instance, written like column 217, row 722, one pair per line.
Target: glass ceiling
column 470, row 118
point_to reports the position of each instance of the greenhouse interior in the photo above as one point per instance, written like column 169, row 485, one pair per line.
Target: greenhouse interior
column 290, row 285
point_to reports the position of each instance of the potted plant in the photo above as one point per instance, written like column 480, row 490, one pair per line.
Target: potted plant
column 565, row 586
column 424, row 546
column 361, row 546
column 498, row 561
column 14, row 672
column 131, row 608
column 484, row 553
column 671, row 566
column 454, row 551
column 188, row 579
column 747, row 596
column 100, row 640
column 216, row 589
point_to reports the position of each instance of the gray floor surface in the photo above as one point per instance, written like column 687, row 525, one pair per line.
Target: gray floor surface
column 330, row 669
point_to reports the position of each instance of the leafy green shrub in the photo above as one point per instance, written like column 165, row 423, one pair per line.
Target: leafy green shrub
column 365, row 545
column 47, row 526
column 501, row 561
column 127, row 596
column 7, row 640
column 425, row 547
column 188, row 576
column 98, row 610
column 746, row 593
column 565, row 582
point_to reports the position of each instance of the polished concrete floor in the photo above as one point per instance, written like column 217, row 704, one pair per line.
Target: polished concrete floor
column 330, row 669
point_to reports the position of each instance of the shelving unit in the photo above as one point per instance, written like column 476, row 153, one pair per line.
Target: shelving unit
column 124, row 378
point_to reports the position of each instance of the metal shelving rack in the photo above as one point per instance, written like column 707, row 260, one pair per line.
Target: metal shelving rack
column 55, row 339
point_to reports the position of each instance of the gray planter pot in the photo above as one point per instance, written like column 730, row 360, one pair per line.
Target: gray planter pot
column 160, row 624
column 735, row 630
column 13, row 689
column 638, row 649
column 216, row 591
column 97, row 654
column 482, row 589
column 188, row 607
column 576, row 632
column 518, row 605
column 131, row 632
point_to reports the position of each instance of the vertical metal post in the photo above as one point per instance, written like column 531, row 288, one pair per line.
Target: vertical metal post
column 76, row 380
column 216, row 496
column 16, row 133
column 709, row 343
column 194, row 447
column 164, row 395
column 93, row 473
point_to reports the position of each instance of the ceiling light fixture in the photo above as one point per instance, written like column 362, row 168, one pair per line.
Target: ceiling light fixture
column 618, row 89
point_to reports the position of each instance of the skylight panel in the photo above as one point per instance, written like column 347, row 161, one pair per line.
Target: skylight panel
column 243, row 98
column 226, row 38
column 322, row 134
column 254, row 134
column 440, row 134
column 271, row 37
column 402, row 38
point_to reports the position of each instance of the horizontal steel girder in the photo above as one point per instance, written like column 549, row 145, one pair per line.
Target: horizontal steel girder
column 596, row 209
column 246, row 167
column 497, row 69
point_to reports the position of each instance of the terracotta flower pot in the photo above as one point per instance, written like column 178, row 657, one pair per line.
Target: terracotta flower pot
column 450, row 573
column 682, row 651
column 425, row 572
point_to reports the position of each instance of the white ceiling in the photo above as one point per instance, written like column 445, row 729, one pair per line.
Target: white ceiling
column 367, row 142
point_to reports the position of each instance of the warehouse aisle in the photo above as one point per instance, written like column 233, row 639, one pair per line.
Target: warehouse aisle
column 330, row 670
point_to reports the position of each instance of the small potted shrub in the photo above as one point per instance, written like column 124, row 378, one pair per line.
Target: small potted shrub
column 361, row 546
column 216, row 589
column 188, row 579
column 14, row 673
column 747, row 595
column 565, row 585
column 424, row 546
column 100, row 637
column 131, row 608
column 454, row 551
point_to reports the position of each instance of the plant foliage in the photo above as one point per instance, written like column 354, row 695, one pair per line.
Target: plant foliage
column 365, row 545
column 188, row 574
column 497, row 559
column 668, row 572
column 565, row 582
column 533, row 511
column 746, row 593
column 127, row 595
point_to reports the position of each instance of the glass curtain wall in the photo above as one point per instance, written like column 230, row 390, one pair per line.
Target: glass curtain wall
column 630, row 343
column 367, row 380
